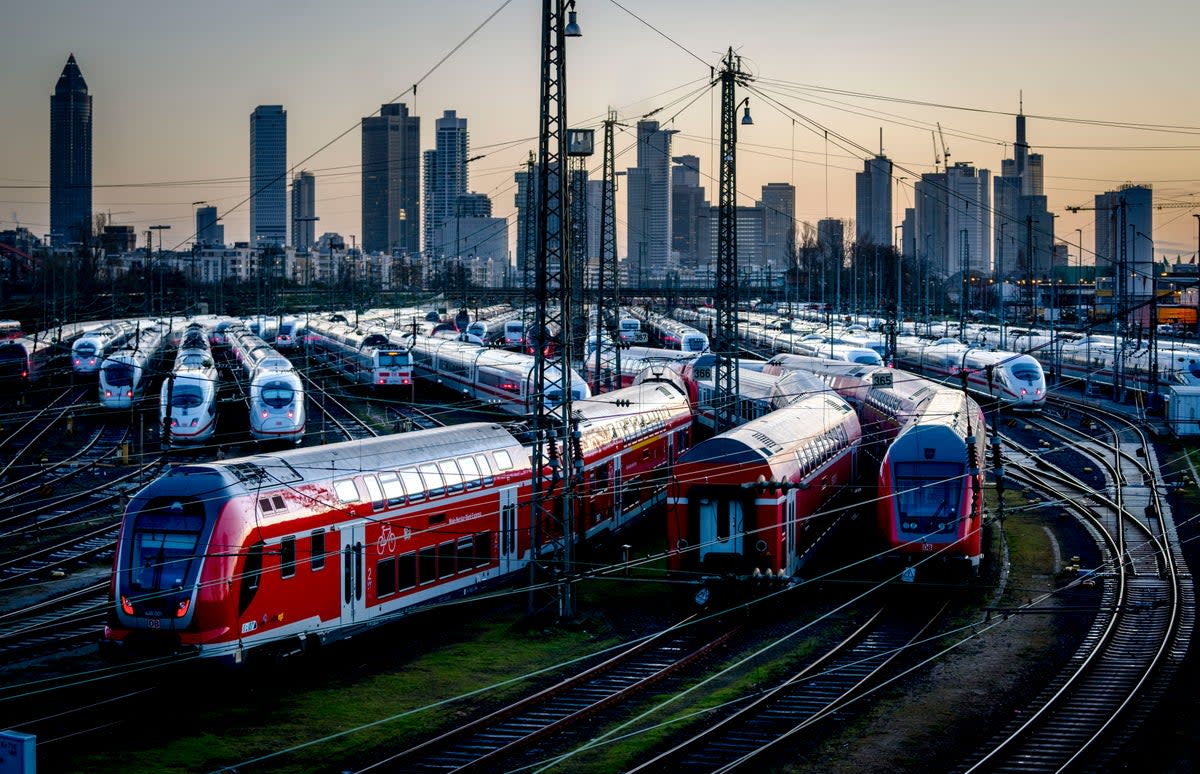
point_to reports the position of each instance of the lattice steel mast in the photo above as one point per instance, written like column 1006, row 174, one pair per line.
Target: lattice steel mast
column 554, row 456
column 725, row 294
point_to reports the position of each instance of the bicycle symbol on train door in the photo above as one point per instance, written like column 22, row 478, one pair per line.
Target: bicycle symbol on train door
column 387, row 541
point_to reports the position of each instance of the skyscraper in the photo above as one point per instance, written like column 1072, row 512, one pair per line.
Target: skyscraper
column 648, row 200
column 70, row 158
column 969, row 212
column 779, row 222
column 209, row 233
column 268, row 176
column 873, row 199
column 391, row 181
column 1024, row 228
column 445, row 172
column 304, row 211
column 687, row 208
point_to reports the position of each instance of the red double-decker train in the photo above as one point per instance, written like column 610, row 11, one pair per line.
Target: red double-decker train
column 312, row 545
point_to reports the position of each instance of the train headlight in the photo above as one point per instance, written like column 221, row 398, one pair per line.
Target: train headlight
column 108, row 393
column 129, row 393
column 1024, row 392
column 195, row 421
column 126, row 605
column 291, row 414
column 703, row 595
column 182, row 608
column 174, row 422
column 264, row 414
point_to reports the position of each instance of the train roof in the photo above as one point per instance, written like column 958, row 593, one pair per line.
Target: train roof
column 389, row 452
column 775, row 438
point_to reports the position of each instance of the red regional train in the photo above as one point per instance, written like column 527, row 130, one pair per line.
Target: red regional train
column 929, row 440
column 727, row 514
column 280, row 551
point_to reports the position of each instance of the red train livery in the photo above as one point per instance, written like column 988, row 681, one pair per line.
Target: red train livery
column 725, row 517
column 314, row 544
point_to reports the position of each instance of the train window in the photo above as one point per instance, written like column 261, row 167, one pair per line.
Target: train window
column 454, row 479
column 392, row 488
column 412, row 484
column 317, row 553
column 345, row 490
column 375, row 492
column 503, row 461
column 446, row 553
column 465, row 550
column 406, row 571
column 251, row 576
column 483, row 549
column 485, row 468
column 287, row 557
column 433, row 479
column 385, row 577
column 427, row 566
column 470, row 471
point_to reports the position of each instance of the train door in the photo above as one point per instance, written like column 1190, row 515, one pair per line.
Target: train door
column 720, row 526
column 509, row 536
column 788, row 565
column 353, row 574
column 618, row 492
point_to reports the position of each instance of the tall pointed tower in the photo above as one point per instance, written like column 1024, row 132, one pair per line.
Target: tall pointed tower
column 70, row 158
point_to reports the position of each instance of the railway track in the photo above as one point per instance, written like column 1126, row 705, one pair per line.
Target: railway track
column 1145, row 618
column 335, row 415
column 823, row 686
column 24, row 440
column 481, row 744
column 53, row 625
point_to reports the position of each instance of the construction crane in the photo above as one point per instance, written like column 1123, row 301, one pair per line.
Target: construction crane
column 945, row 150
column 936, row 158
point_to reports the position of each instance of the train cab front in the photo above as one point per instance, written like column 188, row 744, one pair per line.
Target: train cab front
column 278, row 412
column 927, row 523
column 159, row 601
column 1024, row 384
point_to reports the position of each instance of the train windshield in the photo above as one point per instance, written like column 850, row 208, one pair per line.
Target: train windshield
column 927, row 496
column 118, row 374
column 694, row 344
column 393, row 359
column 186, row 396
column 85, row 349
column 164, row 546
column 1025, row 372
column 277, row 394
column 195, row 360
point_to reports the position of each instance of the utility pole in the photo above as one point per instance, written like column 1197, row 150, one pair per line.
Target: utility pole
column 554, row 452
column 725, row 295
column 608, row 309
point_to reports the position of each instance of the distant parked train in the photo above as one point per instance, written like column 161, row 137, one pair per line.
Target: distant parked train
column 274, row 393
column 90, row 349
column 672, row 334
column 498, row 377
column 188, row 400
column 29, row 359
column 126, row 372
column 1015, row 380
column 364, row 356
column 313, row 545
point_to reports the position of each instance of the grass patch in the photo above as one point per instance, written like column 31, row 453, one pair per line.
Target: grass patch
column 265, row 713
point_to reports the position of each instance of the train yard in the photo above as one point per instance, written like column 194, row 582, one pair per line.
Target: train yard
column 818, row 639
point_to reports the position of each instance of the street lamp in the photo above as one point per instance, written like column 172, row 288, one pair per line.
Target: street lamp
column 1152, row 332
column 162, row 280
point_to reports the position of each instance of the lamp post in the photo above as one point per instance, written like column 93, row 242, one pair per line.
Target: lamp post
column 161, row 280
column 896, row 237
column 1079, row 280
column 1152, row 332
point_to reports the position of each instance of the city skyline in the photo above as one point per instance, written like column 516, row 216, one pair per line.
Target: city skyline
column 173, row 132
